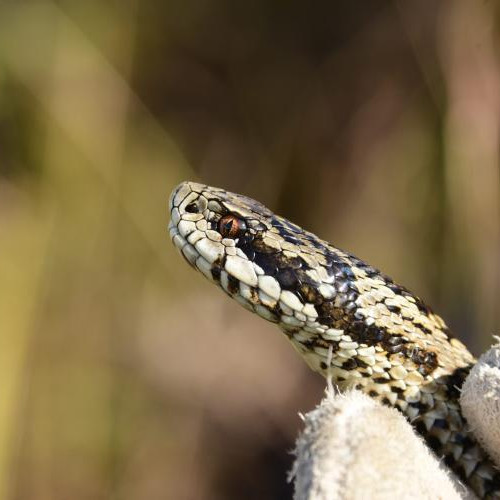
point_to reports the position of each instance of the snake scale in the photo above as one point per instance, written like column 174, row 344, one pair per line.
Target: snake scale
column 344, row 317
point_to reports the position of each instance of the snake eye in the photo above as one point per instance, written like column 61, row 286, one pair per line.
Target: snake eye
column 231, row 227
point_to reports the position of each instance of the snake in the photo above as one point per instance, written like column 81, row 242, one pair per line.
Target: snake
column 349, row 321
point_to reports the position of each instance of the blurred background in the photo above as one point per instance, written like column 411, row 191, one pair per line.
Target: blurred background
column 123, row 374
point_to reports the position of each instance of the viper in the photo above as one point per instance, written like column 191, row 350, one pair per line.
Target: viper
column 349, row 321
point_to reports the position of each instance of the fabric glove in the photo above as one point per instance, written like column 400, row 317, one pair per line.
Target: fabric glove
column 352, row 447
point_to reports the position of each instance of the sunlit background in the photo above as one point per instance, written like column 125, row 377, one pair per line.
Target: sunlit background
column 123, row 374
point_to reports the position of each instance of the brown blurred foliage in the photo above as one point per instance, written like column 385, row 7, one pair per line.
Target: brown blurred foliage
column 375, row 124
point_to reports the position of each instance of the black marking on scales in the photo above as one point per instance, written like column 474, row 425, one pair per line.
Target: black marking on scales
column 290, row 272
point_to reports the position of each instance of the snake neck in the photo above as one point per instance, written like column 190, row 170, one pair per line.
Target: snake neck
column 377, row 337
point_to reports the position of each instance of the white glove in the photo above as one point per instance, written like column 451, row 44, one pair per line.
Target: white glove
column 354, row 448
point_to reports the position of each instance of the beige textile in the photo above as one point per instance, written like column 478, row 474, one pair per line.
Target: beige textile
column 354, row 448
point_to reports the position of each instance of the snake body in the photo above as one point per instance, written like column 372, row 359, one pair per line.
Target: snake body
column 347, row 319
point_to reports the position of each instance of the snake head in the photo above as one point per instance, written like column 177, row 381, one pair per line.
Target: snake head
column 265, row 262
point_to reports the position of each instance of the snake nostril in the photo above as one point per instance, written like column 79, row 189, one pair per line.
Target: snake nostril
column 192, row 208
